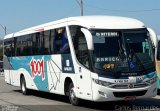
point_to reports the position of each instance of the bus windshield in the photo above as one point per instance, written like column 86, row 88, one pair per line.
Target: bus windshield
column 122, row 52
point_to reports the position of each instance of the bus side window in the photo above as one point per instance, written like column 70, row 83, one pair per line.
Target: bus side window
column 82, row 54
column 34, row 44
column 61, row 41
column 6, row 48
column 80, row 46
column 158, row 51
column 57, row 41
column 65, row 45
column 46, row 45
column 51, row 39
column 9, row 47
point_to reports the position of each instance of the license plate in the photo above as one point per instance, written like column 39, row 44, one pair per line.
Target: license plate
column 129, row 98
column 132, row 79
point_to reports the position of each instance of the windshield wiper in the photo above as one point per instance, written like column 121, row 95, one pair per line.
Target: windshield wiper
column 139, row 61
column 121, row 53
column 121, row 56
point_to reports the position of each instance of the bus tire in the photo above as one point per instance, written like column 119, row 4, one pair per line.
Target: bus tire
column 24, row 89
column 72, row 97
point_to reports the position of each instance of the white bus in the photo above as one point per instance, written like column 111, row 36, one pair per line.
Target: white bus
column 157, row 53
column 96, row 58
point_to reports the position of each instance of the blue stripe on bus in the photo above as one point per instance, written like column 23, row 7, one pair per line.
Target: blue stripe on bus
column 36, row 66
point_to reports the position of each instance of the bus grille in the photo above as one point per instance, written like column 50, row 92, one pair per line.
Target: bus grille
column 126, row 86
column 133, row 93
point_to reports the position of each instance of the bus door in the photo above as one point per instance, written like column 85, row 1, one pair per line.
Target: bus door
column 83, row 73
column 7, row 69
column 12, row 71
column 8, row 53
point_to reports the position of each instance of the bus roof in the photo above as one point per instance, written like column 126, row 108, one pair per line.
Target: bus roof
column 90, row 22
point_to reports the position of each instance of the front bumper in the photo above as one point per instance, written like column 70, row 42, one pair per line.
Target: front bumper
column 102, row 93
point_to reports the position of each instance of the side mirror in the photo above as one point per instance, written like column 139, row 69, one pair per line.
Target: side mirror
column 153, row 37
column 89, row 38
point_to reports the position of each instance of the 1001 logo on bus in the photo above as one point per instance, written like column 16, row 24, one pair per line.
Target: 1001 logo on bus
column 37, row 68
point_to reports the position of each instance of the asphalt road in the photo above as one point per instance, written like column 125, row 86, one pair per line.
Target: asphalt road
column 11, row 99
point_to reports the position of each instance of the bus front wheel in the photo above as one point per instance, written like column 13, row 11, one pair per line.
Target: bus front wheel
column 72, row 97
column 23, row 86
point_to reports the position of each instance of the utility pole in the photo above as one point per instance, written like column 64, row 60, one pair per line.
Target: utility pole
column 4, row 28
column 5, row 32
column 80, row 3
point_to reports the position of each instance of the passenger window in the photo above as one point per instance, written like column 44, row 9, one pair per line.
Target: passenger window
column 46, row 46
column 9, row 47
column 61, row 44
column 53, row 41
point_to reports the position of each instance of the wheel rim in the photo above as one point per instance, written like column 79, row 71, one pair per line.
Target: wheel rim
column 73, row 96
column 23, row 86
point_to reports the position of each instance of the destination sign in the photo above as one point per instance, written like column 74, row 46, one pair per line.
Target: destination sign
column 107, row 34
column 107, row 59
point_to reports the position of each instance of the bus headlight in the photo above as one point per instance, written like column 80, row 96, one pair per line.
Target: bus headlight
column 100, row 82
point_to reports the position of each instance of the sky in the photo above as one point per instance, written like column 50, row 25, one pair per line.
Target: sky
column 20, row 14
